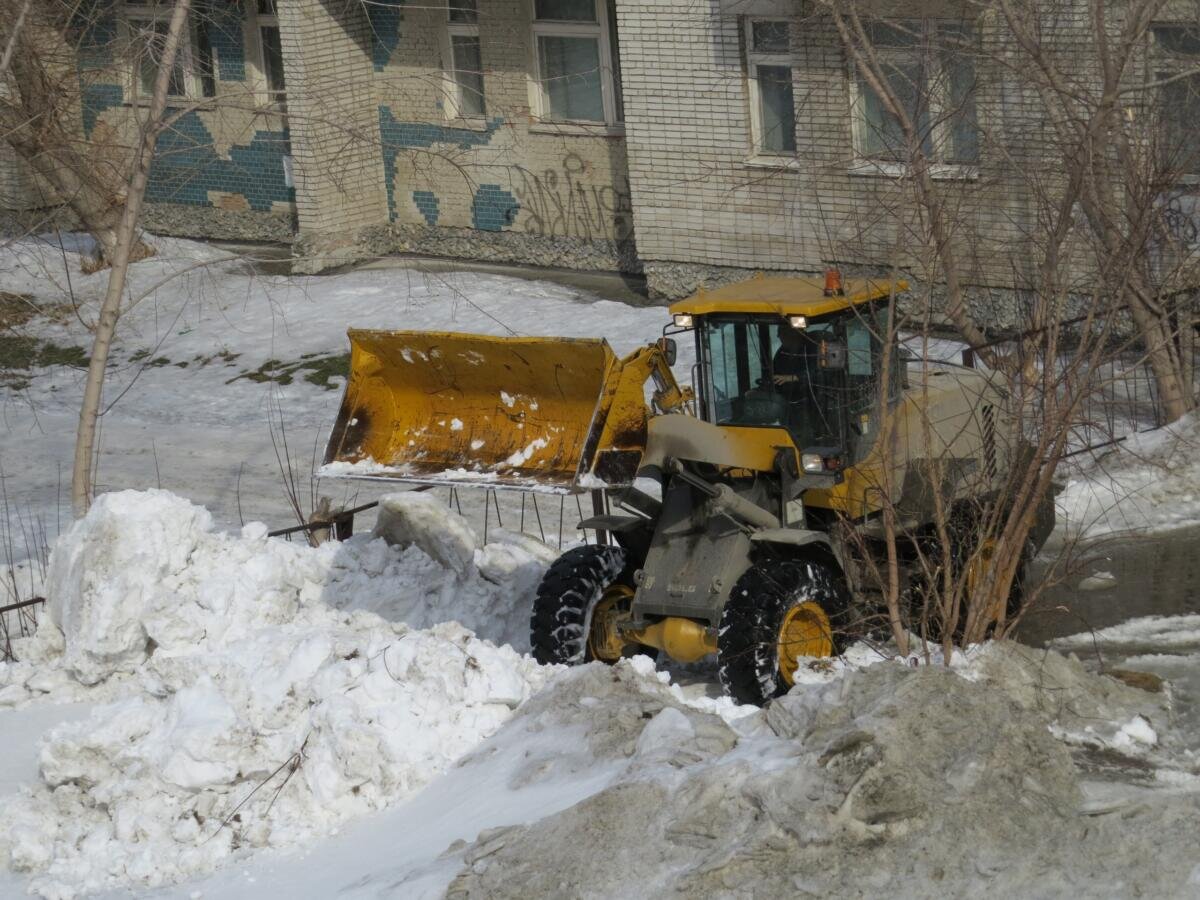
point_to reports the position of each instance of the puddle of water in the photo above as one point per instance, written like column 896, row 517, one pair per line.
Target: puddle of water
column 1122, row 578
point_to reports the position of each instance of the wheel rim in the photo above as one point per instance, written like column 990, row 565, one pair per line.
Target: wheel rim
column 604, row 640
column 805, row 631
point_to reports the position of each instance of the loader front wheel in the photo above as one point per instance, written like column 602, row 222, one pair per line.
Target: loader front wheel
column 776, row 612
column 579, row 602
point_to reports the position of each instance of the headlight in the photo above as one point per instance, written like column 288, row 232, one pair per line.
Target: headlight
column 797, row 322
column 821, row 460
column 683, row 320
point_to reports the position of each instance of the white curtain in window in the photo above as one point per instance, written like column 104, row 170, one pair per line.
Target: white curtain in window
column 571, row 76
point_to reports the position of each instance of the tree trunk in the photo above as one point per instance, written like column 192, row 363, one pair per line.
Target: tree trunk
column 125, row 244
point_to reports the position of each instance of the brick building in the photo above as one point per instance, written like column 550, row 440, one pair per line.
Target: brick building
column 694, row 141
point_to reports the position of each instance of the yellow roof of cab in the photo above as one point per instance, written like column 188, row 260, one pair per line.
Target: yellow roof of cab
column 784, row 296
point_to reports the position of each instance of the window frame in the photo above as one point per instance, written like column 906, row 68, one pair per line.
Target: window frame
column 754, row 59
column 255, row 22
column 1164, row 64
column 614, row 119
column 942, row 124
column 152, row 12
column 452, row 90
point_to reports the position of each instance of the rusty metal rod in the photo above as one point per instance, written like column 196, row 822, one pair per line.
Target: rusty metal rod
column 13, row 607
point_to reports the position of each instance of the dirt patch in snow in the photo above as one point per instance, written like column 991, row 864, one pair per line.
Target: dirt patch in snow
column 886, row 780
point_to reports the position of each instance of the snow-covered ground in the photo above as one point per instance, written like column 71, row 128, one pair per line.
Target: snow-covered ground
column 209, row 712
column 190, row 410
column 195, row 402
column 247, row 715
column 1150, row 481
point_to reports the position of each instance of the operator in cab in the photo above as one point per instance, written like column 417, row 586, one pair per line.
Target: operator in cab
column 793, row 369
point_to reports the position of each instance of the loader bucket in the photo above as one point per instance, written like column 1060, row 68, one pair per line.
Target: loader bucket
column 447, row 408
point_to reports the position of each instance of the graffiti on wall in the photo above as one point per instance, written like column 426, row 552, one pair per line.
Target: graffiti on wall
column 1181, row 218
column 563, row 203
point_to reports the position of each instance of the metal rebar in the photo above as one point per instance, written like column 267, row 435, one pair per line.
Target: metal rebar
column 538, row 513
column 13, row 607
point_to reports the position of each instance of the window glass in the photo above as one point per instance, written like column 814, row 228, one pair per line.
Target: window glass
column 1178, row 39
column 566, row 10
column 266, row 7
column 468, row 74
column 928, row 68
column 153, row 37
column 1180, row 113
column 862, row 384
column 615, row 50
column 272, row 58
column 1179, row 98
column 571, row 77
column 776, row 108
column 894, row 34
column 964, row 129
column 204, row 61
column 766, row 374
column 883, row 135
column 858, row 349
column 770, row 37
column 465, row 12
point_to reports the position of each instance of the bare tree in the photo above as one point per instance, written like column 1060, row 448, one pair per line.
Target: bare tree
column 1096, row 263
column 40, row 102
column 124, row 241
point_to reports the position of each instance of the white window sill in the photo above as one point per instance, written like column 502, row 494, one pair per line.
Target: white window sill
column 196, row 104
column 468, row 123
column 580, row 129
column 940, row 171
column 778, row 163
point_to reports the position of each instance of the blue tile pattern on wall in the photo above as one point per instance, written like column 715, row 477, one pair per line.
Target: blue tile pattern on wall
column 94, row 31
column 186, row 167
column 396, row 136
column 385, row 17
column 427, row 203
column 224, row 19
column 493, row 208
column 96, row 99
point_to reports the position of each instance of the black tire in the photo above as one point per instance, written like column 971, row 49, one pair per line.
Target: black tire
column 562, row 610
column 748, row 639
column 923, row 592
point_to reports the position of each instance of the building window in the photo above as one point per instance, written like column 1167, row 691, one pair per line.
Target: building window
column 772, row 105
column 1176, row 61
column 929, row 67
column 465, row 71
column 266, row 27
column 578, row 76
column 147, row 23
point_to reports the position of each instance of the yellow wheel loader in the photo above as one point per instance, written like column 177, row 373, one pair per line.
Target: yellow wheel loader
column 742, row 509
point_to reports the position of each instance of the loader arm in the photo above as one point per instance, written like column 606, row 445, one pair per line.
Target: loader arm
column 552, row 414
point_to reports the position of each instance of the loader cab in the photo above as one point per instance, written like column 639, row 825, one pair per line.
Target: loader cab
column 781, row 353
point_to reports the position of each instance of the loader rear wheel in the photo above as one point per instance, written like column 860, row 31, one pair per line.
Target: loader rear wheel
column 579, row 602
column 779, row 610
column 971, row 562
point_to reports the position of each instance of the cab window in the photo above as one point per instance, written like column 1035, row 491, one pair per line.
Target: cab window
column 764, row 373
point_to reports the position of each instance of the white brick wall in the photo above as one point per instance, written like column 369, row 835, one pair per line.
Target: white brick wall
column 333, row 116
column 697, row 200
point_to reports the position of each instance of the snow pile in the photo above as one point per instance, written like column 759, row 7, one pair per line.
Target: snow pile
column 883, row 780
column 1082, row 709
column 1151, row 481
column 414, row 518
column 264, row 710
column 146, row 573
